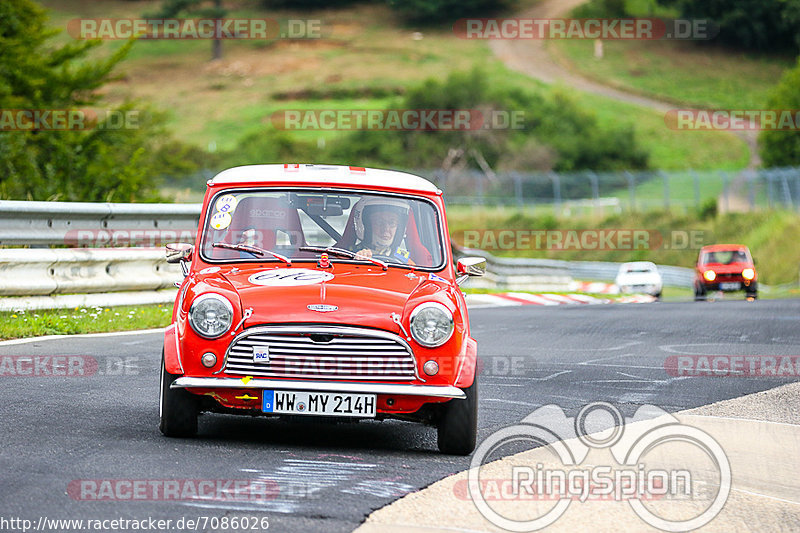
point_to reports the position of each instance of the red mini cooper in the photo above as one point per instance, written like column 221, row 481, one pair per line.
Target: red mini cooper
column 324, row 291
column 725, row 267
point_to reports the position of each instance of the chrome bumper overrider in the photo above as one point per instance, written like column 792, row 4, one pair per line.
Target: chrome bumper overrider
column 445, row 391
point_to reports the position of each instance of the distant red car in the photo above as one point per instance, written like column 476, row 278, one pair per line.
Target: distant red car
column 319, row 290
column 727, row 268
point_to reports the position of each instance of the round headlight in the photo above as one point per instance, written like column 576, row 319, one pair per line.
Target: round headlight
column 748, row 273
column 211, row 315
column 710, row 275
column 431, row 324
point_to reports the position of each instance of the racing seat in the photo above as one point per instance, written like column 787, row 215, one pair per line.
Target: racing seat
column 268, row 223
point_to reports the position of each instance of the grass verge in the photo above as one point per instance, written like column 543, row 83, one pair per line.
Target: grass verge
column 19, row 324
column 673, row 239
column 214, row 104
column 686, row 73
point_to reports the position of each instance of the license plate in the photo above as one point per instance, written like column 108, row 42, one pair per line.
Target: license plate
column 318, row 403
column 730, row 286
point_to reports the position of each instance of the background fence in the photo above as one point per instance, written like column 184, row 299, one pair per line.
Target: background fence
column 599, row 193
column 575, row 193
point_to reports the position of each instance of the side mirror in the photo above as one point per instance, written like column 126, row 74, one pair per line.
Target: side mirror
column 179, row 251
column 471, row 266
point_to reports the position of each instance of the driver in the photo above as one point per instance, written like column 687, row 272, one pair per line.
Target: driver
column 380, row 225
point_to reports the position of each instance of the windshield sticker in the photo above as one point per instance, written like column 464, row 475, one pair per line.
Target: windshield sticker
column 220, row 220
column 226, row 204
column 289, row 277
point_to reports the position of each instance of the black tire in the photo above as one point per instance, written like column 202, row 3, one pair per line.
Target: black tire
column 457, row 427
column 658, row 296
column 178, row 409
column 752, row 291
column 699, row 294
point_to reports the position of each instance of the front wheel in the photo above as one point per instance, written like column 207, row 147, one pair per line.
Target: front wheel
column 458, row 423
column 699, row 293
column 177, row 408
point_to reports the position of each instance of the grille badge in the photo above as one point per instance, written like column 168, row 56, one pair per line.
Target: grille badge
column 261, row 354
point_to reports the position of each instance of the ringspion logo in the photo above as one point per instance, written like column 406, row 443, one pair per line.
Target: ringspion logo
column 647, row 457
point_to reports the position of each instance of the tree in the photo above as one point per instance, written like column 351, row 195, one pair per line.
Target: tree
column 436, row 11
column 209, row 9
column 96, row 164
column 750, row 24
column 782, row 148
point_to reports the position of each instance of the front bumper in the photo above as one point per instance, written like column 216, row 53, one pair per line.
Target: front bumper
column 744, row 285
column 431, row 391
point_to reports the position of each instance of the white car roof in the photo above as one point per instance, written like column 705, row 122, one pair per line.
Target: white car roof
column 328, row 174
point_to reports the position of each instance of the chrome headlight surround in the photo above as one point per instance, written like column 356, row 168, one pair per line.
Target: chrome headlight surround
column 216, row 303
column 431, row 324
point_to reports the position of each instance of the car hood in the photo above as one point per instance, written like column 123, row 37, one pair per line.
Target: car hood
column 343, row 294
column 638, row 278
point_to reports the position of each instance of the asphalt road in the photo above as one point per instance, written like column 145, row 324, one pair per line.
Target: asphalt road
column 57, row 431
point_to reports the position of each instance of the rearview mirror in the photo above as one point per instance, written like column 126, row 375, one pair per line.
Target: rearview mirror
column 179, row 251
column 471, row 266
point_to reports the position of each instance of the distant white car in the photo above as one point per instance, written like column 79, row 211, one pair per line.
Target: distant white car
column 640, row 277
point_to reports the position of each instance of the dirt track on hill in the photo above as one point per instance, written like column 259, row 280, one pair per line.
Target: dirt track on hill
column 530, row 57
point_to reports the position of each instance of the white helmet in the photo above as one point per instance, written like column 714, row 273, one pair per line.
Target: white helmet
column 363, row 207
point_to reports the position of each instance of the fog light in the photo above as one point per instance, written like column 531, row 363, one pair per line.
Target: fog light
column 431, row 368
column 748, row 273
column 209, row 359
column 710, row 275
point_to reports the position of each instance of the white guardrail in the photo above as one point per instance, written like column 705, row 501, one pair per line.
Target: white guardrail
column 41, row 278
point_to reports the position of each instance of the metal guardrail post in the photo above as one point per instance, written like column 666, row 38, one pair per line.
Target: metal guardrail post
column 631, row 188
column 696, row 183
column 556, row 191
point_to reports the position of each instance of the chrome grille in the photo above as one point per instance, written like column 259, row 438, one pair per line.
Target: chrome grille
column 322, row 352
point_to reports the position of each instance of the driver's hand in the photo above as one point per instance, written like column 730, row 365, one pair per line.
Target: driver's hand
column 365, row 253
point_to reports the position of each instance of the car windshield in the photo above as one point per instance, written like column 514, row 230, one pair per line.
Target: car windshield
column 725, row 257
column 639, row 269
column 273, row 225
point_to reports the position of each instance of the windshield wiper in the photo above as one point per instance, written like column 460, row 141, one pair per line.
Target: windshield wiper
column 252, row 250
column 341, row 252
